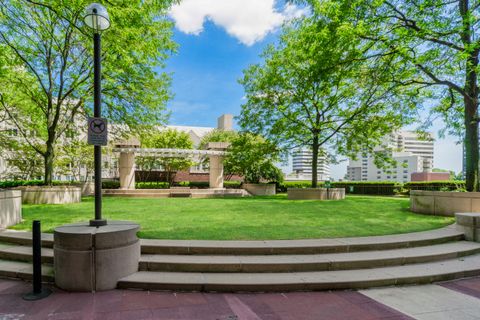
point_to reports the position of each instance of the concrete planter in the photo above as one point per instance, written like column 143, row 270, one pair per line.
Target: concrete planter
column 444, row 203
column 88, row 188
column 51, row 195
column 10, row 207
column 260, row 189
column 316, row 193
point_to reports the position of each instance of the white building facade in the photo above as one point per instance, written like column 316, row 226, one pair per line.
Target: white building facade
column 410, row 152
column 302, row 166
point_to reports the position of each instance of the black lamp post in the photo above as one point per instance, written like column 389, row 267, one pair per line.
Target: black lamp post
column 97, row 18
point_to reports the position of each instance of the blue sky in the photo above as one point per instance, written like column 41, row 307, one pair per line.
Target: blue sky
column 205, row 73
column 217, row 41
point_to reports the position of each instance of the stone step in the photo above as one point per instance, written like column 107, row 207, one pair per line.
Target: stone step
column 25, row 238
column 23, row 253
column 300, row 263
column 299, row 281
column 307, row 246
column 24, row 270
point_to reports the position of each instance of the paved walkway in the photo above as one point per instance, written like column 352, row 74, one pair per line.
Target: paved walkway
column 451, row 300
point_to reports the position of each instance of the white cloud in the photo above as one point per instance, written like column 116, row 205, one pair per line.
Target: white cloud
column 247, row 20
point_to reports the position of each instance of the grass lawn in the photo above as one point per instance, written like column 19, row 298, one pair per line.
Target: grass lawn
column 245, row 218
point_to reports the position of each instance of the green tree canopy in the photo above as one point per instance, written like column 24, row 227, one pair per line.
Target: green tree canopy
column 46, row 81
column 316, row 89
column 249, row 156
column 166, row 139
column 437, row 45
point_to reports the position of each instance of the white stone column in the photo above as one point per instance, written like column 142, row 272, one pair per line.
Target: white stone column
column 216, row 171
column 126, row 164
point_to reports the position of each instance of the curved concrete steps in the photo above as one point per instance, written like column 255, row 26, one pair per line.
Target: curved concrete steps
column 14, row 252
column 24, row 270
column 277, row 265
column 307, row 246
column 298, row 281
column 313, row 262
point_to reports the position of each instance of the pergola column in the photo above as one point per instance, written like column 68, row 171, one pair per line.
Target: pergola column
column 126, row 164
column 216, row 164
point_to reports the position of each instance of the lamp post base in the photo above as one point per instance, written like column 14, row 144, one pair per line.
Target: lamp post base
column 32, row 296
column 98, row 223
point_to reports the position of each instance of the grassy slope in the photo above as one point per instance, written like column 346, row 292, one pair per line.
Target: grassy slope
column 245, row 218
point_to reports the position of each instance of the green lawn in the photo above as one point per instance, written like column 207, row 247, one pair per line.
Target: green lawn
column 245, row 218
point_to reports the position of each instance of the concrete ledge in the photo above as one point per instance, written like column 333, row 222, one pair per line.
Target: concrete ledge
column 94, row 259
column 469, row 224
column 260, row 189
column 51, row 195
column 10, row 207
column 316, row 193
column 444, row 203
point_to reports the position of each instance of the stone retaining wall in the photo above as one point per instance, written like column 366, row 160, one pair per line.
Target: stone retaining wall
column 10, row 207
column 260, row 189
column 316, row 193
column 444, row 203
column 51, row 195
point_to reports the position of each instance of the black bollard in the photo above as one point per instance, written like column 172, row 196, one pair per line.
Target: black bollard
column 38, row 291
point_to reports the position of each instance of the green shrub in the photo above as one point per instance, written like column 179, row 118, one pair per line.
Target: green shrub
column 448, row 185
column 282, row 187
column 232, row 184
column 110, row 184
column 386, row 188
column 24, row 183
column 152, row 185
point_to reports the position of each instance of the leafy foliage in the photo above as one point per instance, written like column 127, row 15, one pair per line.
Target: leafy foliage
column 315, row 89
column 46, row 81
column 168, row 138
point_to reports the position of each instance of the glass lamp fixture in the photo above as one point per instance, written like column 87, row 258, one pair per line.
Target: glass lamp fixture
column 96, row 17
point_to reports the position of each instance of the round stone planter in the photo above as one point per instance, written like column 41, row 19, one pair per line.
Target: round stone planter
column 51, row 195
column 260, row 189
column 10, row 207
column 94, row 259
column 316, row 193
column 444, row 203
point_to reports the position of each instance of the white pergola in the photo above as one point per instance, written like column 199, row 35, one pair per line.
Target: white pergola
column 128, row 150
column 170, row 153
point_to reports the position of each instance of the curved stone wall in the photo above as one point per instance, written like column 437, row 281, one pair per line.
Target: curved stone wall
column 10, row 207
column 444, row 203
column 51, row 195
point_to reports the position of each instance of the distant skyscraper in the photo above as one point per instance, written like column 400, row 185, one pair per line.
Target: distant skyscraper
column 302, row 166
column 411, row 153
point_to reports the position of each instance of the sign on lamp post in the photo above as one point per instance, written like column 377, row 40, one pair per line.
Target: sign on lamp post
column 97, row 18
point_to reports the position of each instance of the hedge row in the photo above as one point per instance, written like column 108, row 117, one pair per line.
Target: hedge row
column 354, row 187
column 447, row 185
column 24, row 183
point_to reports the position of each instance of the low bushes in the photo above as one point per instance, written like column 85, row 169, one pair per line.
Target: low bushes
column 24, row 183
column 152, row 185
column 448, row 185
column 386, row 188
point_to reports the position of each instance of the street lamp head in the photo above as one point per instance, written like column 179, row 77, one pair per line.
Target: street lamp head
column 96, row 17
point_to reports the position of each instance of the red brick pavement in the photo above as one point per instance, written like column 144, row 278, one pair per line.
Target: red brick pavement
column 130, row 304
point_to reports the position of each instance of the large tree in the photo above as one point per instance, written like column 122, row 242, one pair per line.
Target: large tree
column 438, row 42
column 166, row 139
column 46, row 81
column 315, row 89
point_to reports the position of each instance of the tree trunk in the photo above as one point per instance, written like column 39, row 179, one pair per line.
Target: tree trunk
column 471, row 145
column 315, row 148
column 48, row 165
column 471, row 123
